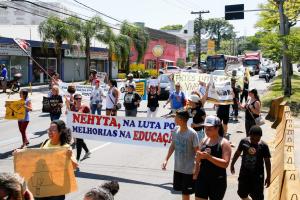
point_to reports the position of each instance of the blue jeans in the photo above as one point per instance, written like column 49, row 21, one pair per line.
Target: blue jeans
column 94, row 108
column 131, row 113
column 54, row 116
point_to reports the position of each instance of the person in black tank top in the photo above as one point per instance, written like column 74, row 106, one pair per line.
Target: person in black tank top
column 212, row 161
column 245, row 89
column 252, row 110
column 153, row 97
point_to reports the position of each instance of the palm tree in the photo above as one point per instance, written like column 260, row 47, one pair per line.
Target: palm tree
column 55, row 30
column 139, row 39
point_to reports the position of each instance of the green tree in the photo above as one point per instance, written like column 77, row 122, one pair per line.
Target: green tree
column 293, row 41
column 218, row 30
column 139, row 40
column 271, row 46
column 174, row 27
column 55, row 30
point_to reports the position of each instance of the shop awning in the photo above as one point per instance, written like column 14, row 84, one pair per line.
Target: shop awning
column 165, row 60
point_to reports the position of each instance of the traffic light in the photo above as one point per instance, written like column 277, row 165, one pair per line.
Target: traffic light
column 233, row 12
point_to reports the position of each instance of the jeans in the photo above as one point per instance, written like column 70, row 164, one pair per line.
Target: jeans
column 131, row 113
column 96, row 107
column 79, row 145
column 22, row 127
column 244, row 95
column 54, row 116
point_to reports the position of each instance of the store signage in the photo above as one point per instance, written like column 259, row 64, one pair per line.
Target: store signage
column 74, row 53
column 157, row 50
column 11, row 50
column 99, row 55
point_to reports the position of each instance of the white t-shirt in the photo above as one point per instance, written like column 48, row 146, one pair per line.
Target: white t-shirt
column 96, row 96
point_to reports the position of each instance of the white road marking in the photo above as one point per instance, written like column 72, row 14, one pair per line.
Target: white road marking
column 99, row 147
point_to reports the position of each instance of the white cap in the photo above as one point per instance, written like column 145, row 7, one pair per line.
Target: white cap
column 194, row 98
column 212, row 121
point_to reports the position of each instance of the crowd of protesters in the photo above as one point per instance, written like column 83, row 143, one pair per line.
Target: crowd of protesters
column 202, row 149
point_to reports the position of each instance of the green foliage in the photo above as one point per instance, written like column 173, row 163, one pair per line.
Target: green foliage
column 139, row 38
column 276, row 91
column 271, row 46
column 217, row 29
column 175, row 27
column 180, row 62
column 293, row 41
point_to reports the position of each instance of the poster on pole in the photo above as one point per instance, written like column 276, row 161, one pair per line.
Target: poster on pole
column 14, row 109
column 126, row 130
column 48, row 172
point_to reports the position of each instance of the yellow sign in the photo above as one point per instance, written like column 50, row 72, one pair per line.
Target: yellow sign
column 211, row 45
column 157, row 50
column 48, row 172
column 15, row 109
column 140, row 88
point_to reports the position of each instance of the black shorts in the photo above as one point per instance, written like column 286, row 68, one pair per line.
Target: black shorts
column 213, row 188
column 251, row 185
column 184, row 183
column 223, row 113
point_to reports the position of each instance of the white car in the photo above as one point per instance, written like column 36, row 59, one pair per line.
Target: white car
column 218, row 73
column 169, row 70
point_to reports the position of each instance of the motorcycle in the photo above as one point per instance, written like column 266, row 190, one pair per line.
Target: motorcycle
column 13, row 84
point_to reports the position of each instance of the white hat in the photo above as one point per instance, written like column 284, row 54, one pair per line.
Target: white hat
column 194, row 98
column 212, row 121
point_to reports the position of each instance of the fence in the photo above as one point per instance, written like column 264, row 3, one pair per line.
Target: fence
column 285, row 182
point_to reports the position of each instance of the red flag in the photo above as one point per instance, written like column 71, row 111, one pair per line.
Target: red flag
column 23, row 44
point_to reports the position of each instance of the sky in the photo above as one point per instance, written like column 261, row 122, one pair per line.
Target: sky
column 158, row 13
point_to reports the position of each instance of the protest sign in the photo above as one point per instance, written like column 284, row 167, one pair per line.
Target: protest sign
column 15, row 109
column 84, row 90
column 127, row 130
column 153, row 82
column 51, row 104
column 220, row 93
column 48, row 172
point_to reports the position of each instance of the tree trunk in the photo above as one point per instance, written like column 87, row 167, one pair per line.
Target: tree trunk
column 87, row 60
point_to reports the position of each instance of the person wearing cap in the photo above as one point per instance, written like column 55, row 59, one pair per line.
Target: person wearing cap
column 252, row 109
column 198, row 114
column 129, row 81
column 80, row 144
column 177, row 99
column 96, row 98
column 212, row 160
column 185, row 144
column 153, row 97
column 3, row 77
column 251, row 177
column 131, row 101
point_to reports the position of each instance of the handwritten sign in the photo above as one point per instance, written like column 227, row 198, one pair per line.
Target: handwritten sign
column 127, row 130
column 15, row 109
column 220, row 93
column 84, row 90
column 48, row 172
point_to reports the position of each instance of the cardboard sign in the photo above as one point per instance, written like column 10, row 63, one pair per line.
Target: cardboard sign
column 127, row 130
column 48, row 172
column 15, row 109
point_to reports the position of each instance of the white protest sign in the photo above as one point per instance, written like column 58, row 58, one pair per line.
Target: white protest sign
column 126, row 130
column 153, row 82
column 220, row 93
column 84, row 90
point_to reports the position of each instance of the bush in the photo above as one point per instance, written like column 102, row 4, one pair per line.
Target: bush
column 136, row 67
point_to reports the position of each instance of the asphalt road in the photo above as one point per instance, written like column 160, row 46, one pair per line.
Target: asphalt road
column 137, row 168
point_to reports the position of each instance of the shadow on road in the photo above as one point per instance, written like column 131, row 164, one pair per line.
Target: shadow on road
column 9, row 153
column 166, row 186
column 39, row 134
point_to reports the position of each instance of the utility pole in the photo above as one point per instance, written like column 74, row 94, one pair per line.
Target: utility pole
column 286, row 79
column 199, row 32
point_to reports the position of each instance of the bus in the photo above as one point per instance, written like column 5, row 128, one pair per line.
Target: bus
column 220, row 61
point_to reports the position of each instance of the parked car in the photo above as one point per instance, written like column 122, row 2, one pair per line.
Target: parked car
column 169, row 70
column 218, row 73
column 190, row 69
column 165, row 86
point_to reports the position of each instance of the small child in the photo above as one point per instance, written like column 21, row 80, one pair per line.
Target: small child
column 251, row 177
column 185, row 143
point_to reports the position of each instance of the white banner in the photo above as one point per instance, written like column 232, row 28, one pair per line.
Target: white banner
column 220, row 93
column 126, row 130
column 84, row 90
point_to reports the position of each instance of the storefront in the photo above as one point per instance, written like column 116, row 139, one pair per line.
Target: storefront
column 15, row 60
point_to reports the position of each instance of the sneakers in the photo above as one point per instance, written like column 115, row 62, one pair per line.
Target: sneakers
column 87, row 155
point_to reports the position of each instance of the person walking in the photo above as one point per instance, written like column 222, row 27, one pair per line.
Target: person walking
column 59, row 137
column 198, row 114
column 131, row 101
column 177, row 99
column 3, row 77
column 211, row 162
column 255, row 153
column 112, row 98
column 56, row 103
column 96, row 98
column 153, row 104
column 22, row 124
column 252, row 109
column 235, row 106
column 185, row 144
column 245, row 88
column 80, row 144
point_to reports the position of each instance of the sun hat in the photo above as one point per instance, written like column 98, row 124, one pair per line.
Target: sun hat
column 194, row 98
column 212, row 121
